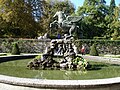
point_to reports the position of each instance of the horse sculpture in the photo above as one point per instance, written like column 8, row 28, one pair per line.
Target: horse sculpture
column 66, row 23
column 58, row 23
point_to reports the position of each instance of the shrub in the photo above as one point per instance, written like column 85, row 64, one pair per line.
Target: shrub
column 38, row 57
column 115, row 35
column 93, row 50
column 15, row 49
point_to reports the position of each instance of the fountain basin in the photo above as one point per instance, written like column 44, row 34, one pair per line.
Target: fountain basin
column 96, row 84
column 105, row 84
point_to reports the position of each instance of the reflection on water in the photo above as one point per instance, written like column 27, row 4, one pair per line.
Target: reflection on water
column 69, row 75
column 40, row 75
column 59, row 74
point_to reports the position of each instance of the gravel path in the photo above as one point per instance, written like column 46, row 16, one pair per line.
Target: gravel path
column 103, row 59
column 11, row 87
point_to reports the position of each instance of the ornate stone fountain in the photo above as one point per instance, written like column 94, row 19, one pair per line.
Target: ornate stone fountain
column 64, row 47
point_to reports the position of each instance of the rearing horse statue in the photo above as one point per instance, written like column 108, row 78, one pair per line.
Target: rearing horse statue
column 61, row 17
column 67, row 23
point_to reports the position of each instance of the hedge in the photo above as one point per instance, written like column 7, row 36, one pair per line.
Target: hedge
column 38, row 46
column 103, row 46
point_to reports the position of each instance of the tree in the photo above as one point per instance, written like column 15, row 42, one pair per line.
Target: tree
column 50, row 8
column 115, row 35
column 18, row 18
column 37, row 8
column 113, row 23
column 112, row 7
column 94, row 12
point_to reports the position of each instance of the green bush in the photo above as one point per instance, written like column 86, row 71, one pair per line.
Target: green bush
column 115, row 35
column 38, row 57
column 15, row 49
column 93, row 50
column 37, row 46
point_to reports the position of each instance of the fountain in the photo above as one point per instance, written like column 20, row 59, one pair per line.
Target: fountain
column 64, row 49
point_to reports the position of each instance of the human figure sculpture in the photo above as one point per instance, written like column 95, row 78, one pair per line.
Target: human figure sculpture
column 75, row 49
column 60, row 49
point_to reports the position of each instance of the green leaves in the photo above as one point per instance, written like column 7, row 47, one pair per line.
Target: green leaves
column 30, row 18
column 50, row 8
column 93, row 50
column 15, row 49
column 100, row 19
column 17, row 19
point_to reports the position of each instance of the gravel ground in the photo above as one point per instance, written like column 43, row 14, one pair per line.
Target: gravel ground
column 103, row 59
column 11, row 87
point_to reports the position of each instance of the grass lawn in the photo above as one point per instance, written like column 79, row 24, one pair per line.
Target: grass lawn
column 98, row 70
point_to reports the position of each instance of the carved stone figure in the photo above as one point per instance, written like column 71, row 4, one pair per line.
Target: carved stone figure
column 66, row 23
column 63, row 47
column 61, row 16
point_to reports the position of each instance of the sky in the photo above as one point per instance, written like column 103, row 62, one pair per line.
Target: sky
column 80, row 2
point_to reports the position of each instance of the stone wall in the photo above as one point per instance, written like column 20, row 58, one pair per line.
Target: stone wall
column 38, row 46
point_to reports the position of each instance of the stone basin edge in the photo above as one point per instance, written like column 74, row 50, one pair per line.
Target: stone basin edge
column 44, row 83
column 59, row 84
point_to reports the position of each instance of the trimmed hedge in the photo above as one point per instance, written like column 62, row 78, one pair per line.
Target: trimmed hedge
column 25, row 45
column 15, row 49
column 38, row 46
column 93, row 50
column 103, row 46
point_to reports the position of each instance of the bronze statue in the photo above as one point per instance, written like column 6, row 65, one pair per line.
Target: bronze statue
column 66, row 23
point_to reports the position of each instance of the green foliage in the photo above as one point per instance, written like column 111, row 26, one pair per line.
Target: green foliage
column 80, row 61
column 17, row 19
column 32, row 45
column 98, row 38
column 38, row 57
column 115, row 35
column 50, row 8
column 112, row 6
column 15, row 49
column 30, row 18
column 93, row 50
column 99, row 19
column 93, row 23
column 118, row 38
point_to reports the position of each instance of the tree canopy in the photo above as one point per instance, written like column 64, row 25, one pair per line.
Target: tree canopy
column 100, row 20
column 31, row 18
column 17, row 19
